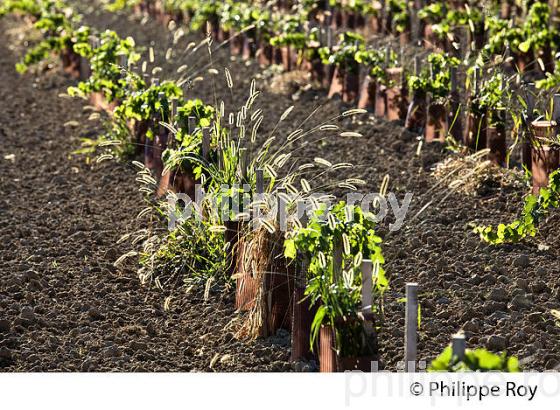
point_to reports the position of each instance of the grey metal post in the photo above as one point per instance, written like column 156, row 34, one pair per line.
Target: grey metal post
column 411, row 327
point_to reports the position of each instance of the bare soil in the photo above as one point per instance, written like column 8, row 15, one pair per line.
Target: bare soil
column 64, row 306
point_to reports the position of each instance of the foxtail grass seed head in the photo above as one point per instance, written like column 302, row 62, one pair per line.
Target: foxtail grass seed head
column 328, row 127
column 348, row 213
column 358, row 258
column 104, row 157
column 138, row 165
column 182, row 68
column 270, row 171
column 354, row 111
column 303, row 167
column 356, row 181
column 346, row 244
column 342, row 165
column 322, row 260
column 229, row 80
column 167, row 304
column 72, row 123
column 110, row 143
column 257, row 116
column 348, row 186
column 178, row 35
column 255, row 130
column 331, row 221
column 286, row 113
column 351, row 134
column 269, row 226
column 384, row 186
column 322, row 161
column 144, row 212
column 294, row 134
column 253, row 87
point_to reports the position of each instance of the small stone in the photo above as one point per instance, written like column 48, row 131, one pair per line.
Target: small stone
column 5, row 353
column 35, row 286
column 111, row 351
column 493, row 306
column 523, row 283
column 521, row 261
column 498, row 316
column 298, row 366
column 552, row 364
column 95, row 314
column 504, row 279
column 27, row 313
column 136, row 345
column 498, row 295
column 489, row 279
column 541, row 271
column 31, row 275
column 519, row 337
column 4, row 326
column 496, row 342
column 472, row 327
column 444, row 314
column 151, row 329
column 227, row 358
column 520, row 302
column 475, row 279
column 539, row 287
column 535, row 317
column 86, row 366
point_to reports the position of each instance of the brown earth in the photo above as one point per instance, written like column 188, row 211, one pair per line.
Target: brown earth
column 86, row 315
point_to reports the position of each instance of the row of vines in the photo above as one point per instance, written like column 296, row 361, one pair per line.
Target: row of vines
column 472, row 75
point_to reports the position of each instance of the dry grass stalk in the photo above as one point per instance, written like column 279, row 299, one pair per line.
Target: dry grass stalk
column 261, row 249
column 466, row 174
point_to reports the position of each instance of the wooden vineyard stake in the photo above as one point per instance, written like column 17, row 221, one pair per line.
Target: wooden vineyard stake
column 556, row 108
column 123, row 61
column 337, row 259
column 302, row 312
column 411, row 327
column 191, row 124
column 259, row 173
column 526, row 151
column 475, row 135
column 206, row 143
column 455, row 118
column 416, row 114
column 327, row 340
column 174, row 108
column 436, row 124
column 243, row 163
column 544, row 155
column 168, row 175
